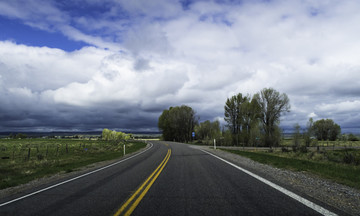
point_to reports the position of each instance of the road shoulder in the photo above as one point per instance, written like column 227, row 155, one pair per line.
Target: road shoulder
column 342, row 197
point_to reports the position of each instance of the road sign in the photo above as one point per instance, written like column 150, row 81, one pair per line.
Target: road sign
column 193, row 134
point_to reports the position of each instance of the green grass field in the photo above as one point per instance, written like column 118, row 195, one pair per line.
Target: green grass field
column 341, row 166
column 23, row 160
column 314, row 143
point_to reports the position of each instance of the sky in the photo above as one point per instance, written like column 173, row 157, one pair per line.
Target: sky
column 85, row 65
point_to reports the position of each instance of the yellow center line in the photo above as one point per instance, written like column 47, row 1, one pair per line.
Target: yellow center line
column 156, row 173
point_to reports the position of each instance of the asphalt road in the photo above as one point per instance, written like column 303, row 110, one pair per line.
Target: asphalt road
column 185, row 181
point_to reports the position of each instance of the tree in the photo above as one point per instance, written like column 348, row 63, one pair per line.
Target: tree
column 12, row 136
column 255, row 133
column 326, row 129
column 177, row 123
column 296, row 136
column 114, row 136
column 208, row 130
column 105, row 134
column 234, row 110
column 242, row 116
column 21, row 136
column 250, row 121
column 165, row 125
column 272, row 106
column 334, row 132
column 309, row 132
column 352, row 137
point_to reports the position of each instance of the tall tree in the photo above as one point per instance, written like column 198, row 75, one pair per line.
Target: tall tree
column 234, row 110
column 242, row 116
column 272, row 106
column 177, row 123
column 309, row 132
column 296, row 136
column 250, row 119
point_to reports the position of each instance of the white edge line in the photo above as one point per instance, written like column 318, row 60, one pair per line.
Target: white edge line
column 302, row 200
column 72, row 179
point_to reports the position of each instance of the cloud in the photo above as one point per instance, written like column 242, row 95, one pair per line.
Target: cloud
column 90, row 83
column 40, row 14
column 340, row 107
column 146, row 56
column 42, row 68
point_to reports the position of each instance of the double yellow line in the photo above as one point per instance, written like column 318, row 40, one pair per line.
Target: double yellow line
column 130, row 205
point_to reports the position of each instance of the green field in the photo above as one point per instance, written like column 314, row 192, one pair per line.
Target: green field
column 314, row 143
column 23, row 160
column 342, row 166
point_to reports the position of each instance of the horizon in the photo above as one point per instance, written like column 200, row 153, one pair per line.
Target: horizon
column 355, row 131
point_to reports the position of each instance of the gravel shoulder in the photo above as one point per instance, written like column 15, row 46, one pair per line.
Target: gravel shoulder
column 62, row 176
column 342, row 197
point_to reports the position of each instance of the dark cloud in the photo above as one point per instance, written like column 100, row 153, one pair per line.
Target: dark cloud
column 161, row 53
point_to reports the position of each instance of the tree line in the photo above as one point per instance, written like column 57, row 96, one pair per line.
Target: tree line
column 17, row 136
column 250, row 121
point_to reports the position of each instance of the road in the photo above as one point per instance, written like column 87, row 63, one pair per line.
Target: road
column 167, row 179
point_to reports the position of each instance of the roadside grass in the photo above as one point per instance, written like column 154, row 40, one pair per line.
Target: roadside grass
column 347, row 174
column 320, row 143
column 22, row 161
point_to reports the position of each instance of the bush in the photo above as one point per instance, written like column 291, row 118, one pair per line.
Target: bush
column 199, row 142
column 349, row 158
column 40, row 156
column 303, row 149
column 318, row 156
column 352, row 137
column 284, row 149
column 334, row 157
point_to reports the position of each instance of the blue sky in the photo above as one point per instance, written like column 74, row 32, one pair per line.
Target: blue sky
column 90, row 64
column 18, row 32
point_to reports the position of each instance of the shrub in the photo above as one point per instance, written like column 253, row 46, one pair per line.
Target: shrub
column 318, row 157
column 40, row 156
column 284, row 149
column 303, row 149
column 334, row 157
column 352, row 137
column 349, row 158
column 357, row 161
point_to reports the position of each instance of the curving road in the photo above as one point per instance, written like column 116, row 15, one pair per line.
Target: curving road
column 167, row 179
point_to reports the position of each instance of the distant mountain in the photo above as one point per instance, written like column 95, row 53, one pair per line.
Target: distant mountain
column 70, row 133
